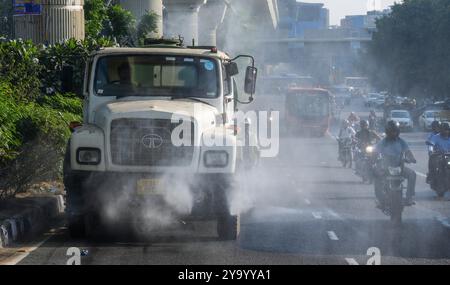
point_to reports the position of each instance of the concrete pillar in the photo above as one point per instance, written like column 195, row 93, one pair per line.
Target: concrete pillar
column 53, row 21
column 211, row 16
column 140, row 7
column 182, row 19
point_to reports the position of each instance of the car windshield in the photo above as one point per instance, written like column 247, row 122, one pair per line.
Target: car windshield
column 401, row 115
column 157, row 75
column 432, row 114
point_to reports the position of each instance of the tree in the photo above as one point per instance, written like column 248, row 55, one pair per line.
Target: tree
column 147, row 25
column 108, row 19
column 410, row 52
column 121, row 24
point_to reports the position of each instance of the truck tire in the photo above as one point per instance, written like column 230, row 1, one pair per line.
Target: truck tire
column 227, row 227
column 73, row 188
column 227, row 224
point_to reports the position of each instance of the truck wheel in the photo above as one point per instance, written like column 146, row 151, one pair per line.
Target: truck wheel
column 227, row 227
column 73, row 188
column 227, row 224
column 76, row 227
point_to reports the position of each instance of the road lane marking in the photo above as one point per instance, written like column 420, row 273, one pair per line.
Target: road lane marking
column 24, row 252
column 351, row 261
column 317, row 215
column 444, row 221
column 421, row 174
column 334, row 214
column 307, row 202
column 332, row 235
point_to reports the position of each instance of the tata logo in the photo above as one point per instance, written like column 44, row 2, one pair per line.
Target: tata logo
column 151, row 141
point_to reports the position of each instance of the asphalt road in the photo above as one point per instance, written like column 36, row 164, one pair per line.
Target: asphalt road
column 304, row 209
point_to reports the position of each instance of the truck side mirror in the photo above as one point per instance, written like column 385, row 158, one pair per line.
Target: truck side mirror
column 250, row 80
column 67, row 79
column 232, row 69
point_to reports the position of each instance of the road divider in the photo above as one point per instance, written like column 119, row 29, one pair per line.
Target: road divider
column 31, row 221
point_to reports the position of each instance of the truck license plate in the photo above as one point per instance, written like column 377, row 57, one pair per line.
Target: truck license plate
column 149, row 187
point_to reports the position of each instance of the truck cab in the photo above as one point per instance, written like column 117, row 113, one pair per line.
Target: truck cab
column 150, row 115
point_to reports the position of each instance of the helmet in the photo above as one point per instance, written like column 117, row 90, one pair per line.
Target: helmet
column 435, row 126
column 363, row 124
column 392, row 129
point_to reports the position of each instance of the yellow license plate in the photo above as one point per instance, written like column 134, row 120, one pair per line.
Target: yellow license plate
column 149, row 187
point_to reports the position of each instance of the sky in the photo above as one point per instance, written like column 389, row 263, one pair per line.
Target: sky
column 341, row 8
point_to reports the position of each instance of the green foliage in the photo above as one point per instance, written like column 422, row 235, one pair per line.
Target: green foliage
column 33, row 125
column 147, row 25
column 19, row 65
column 67, row 103
column 22, row 123
column 95, row 13
column 409, row 53
column 121, row 24
column 9, row 115
column 106, row 19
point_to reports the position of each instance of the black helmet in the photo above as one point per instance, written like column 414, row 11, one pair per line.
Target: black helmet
column 392, row 129
column 364, row 124
column 435, row 126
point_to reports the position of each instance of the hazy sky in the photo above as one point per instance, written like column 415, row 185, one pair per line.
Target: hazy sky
column 340, row 8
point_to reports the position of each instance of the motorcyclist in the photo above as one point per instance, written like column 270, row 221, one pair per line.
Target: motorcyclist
column 352, row 118
column 372, row 120
column 394, row 146
column 435, row 129
column 346, row 132
column 441, row 144
column 441, row 141
column 364, row 138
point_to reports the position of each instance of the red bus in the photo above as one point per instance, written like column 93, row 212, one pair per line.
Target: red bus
column 308, row 111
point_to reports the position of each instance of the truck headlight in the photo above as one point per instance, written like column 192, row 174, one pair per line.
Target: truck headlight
column 215, row 158
column 88, row 156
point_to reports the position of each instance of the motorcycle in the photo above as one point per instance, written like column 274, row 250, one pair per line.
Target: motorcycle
column 363, row 163
column 391, row 186
column 345, row 155
column 440, row 172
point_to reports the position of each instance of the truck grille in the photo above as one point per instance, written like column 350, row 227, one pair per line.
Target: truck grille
column 147, row 142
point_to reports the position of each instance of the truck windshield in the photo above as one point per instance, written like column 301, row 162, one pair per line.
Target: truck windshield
column 157, row 75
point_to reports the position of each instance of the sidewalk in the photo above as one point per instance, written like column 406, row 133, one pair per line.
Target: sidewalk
column 22, row 218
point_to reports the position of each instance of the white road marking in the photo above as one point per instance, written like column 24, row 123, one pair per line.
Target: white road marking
column 26, row 251
column 334, row 214
column 351, row 261
column 444, row 221
column 307, row 202
column 317, row 215
column 421, row 174
column 332, row 235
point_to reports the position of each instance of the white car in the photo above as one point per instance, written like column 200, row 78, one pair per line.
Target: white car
column 374, row 100
column 427, row 118
column 403, row 117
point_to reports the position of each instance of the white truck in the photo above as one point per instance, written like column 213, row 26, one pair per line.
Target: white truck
column 124, row 147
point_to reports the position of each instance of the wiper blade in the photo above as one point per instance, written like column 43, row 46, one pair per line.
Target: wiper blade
column 193, row 99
